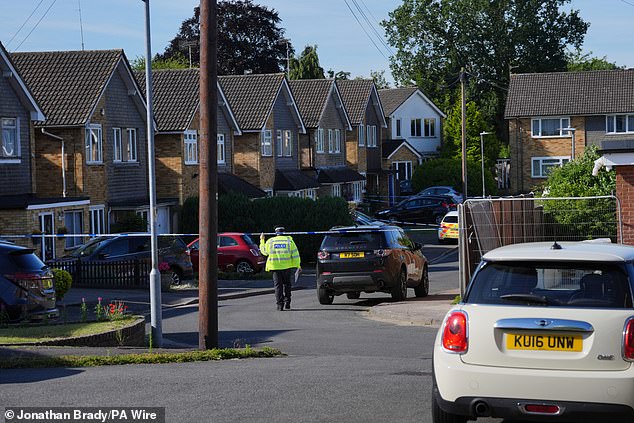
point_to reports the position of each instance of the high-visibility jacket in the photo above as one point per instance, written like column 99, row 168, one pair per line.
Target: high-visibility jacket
column 281, row 251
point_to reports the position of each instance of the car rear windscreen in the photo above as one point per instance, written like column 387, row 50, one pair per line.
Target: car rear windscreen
column 25, row 261
column 353, row 241
column 583, row 285
column 450, row 219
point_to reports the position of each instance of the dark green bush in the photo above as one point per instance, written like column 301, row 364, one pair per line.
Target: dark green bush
column 63, row 282
column 130, row 222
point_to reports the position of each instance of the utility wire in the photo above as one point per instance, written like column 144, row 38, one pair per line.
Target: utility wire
column 38, row 22
column 24, row 23
column 366, row 32
column 627, row 2
column 372, row 27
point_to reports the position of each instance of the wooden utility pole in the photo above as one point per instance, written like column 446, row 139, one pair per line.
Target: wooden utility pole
column 464, row 134
column 208, row 217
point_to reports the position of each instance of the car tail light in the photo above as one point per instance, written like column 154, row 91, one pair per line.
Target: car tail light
column 26, row 280
column 323, row 255
column 542, row 408
column 382, row 253
column 444, row 204
column 454, row 333
column 628, row 340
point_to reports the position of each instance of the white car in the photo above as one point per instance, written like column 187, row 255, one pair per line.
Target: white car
column 545, row 332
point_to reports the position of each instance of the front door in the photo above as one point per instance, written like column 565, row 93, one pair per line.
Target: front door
column 47, row 244
column 163, row 220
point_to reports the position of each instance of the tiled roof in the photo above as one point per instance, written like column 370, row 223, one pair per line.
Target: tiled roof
column 355, row 94
column 175, row 96
column 392, row 98
column 570, row 93
column 67, row 84
column 251, row 97
column 311, row 96
column 390, row 146
column 338, row 174
column 228, row 182
column 293, row 180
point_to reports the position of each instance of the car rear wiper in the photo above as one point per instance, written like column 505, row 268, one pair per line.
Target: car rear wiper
column 529, row 298
column 358, row 242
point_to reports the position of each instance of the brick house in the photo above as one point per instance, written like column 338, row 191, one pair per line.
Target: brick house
column 267, row 153
column 323, row 152
column 363, row 143
column 93, row 141
column 401, row 158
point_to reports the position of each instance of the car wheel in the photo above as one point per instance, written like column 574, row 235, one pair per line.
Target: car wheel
column 422, row 290
column 399, row 291
column 438, row 415
column 438, row 219
column 244, row 266
column 353, row 295
column 324, row 296
column 177, row 276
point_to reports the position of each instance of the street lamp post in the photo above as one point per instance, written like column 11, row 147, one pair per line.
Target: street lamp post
column 572, row 137
column 482, row 134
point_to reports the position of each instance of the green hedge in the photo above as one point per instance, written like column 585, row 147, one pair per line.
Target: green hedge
column 236, row 213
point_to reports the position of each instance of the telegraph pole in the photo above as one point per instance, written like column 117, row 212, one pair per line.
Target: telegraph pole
column 464, row 135
column 208, row 218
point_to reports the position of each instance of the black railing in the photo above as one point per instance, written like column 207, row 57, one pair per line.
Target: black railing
column 124, row 274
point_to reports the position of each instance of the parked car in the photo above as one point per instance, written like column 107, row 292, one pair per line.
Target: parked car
column 361, row 218
column 236, row 251
column 448, row 229
column 443, row 190
column 369, row 259
column 545, row 332
column 419, row 209
column 27, row 287
column 172, row 250
column 406, row 187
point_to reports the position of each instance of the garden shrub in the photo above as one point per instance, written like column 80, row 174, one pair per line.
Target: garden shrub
column 63, row 282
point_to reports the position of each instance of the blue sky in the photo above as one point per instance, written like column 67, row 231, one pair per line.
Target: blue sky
column 342, row 44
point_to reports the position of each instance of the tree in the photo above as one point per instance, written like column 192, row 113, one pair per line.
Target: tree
column 379, row 79
column 249, row 39
column 448, row 171
column 338, row 75
column 434, row 39
column 306, row 65
column 578, row 61
column 178, row 61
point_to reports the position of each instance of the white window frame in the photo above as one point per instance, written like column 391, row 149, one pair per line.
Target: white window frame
column 416, row 127
column 131, row 147
column 220, row 141
column 12, row 125
column 562, row 133
column 74, row 228
column 337, row 140
column 561, row 160
column 429, row 127
column 336, row 190
column 190, row 141
column 117, row 147
column 397, row 127
column 287, row 143
column 266, row 143
column 361, row 134
column 408, row 169
column 97, row 219
column 331, row 142
column 268, row 192
column 320, row 140
column 357, row 191
column 94, row 150
column 629, row 129
column 311, row 193
column 279, row 152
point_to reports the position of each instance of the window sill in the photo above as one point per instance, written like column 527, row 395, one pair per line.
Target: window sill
column 550, row 137
column 619, row 133
column 6, row 160
column 191, row 163
column 94, row 163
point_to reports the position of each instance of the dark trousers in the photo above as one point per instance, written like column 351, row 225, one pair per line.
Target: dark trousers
column 282, row 283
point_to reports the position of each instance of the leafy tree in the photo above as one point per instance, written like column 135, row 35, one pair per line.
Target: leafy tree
column 448, row 171
column 306, row 65
column 434, row 39
column 178, row 61
column 379, row 79
column 249, row 39
column 338, row 75
column 578, row 61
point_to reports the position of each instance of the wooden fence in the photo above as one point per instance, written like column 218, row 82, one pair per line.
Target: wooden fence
column 125, row 274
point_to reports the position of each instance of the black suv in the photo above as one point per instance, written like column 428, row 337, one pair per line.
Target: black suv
column 27, row 289
column 369, row 259
column 419, row 209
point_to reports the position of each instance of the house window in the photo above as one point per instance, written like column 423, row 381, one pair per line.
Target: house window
column 617, row 124
column 116, row 145
column 145, row 215
column 191, row 147
column 357, row 191
column 361, row 135
column 337, row 141
column 131, row 149
column 336, row 190
column 398, row 127
column 551, row 127
column 10, row 143
column 74, row 222
column 415, row 128
column 288, row 143
column 311, row 193
column 268, row 192
column 320, row 140
column 220, row 138
column 97, row 214
column 93, row 144
column 429, row 127
column 267, row 147
column 331, row 142
column 403, row 170
column 278, row 143
column 371, row 133
column 542, row 166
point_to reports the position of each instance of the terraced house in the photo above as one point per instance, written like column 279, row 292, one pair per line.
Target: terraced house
column 267, row 153
column 323, row 148
column 92, row 142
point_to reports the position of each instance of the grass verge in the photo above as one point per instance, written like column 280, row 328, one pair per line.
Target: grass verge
column 23, row 334
column 143, row 358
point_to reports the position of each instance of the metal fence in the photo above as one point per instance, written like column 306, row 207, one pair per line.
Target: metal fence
column 486, row 224
column 125, row 274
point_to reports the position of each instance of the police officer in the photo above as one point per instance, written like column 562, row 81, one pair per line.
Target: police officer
column 283, row 258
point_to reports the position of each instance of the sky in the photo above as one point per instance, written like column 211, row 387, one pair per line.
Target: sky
column 329, row 24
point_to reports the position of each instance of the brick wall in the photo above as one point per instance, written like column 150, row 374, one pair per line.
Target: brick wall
column 246, row 158
column 169, row 165
column 625, row 193
column 48, row 162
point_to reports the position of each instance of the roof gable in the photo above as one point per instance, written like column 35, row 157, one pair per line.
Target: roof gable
column 357, row 95
column 68, row 84
column 570, row 93
column 393, row 98
column 312, row 96
column 18, row 84
column 391, row 147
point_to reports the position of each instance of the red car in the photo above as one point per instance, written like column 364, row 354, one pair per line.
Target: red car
column 236, row 252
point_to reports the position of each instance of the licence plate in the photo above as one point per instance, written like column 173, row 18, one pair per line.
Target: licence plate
column 351, row 255
column 544, row 342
